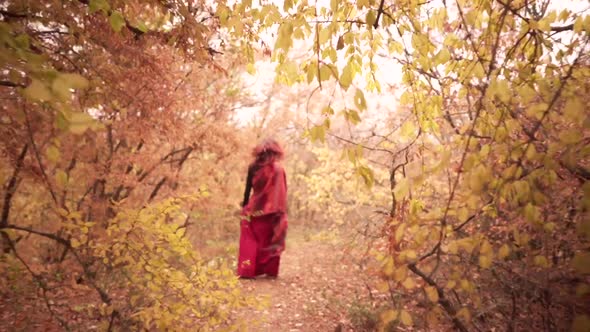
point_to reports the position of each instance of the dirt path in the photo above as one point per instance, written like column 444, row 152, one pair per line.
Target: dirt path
column 314, row 291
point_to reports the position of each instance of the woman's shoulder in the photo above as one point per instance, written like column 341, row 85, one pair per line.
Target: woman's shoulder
column 278, row 167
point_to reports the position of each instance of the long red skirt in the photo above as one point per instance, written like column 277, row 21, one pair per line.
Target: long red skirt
column 258, row 255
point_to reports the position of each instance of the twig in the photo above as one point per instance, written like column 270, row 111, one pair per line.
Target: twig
column 38, row 156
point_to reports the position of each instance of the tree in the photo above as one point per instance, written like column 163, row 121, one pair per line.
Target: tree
column 490, row 197
column 115, row 119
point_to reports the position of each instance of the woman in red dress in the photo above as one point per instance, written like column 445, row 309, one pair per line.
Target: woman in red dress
column 264, row 214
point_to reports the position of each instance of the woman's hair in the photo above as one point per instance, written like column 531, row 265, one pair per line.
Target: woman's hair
column 267, row 151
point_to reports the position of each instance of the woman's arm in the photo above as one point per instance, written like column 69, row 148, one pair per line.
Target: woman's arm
column 248, row 185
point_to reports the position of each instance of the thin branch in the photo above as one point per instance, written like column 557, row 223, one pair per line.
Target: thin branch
column 442, row 300
column 38, row 157
column 361, row 145
column 157, row 188
column 11, row 187
column 379, row 12
column 52, row 236
column 12, row 84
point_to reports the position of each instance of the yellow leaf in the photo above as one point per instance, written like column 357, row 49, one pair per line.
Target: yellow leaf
column 574, row 110
column 399, row 232
column 433, row 317
column 462, row 214
column 400, row 274
column 582, row 289
column 79, row 122
column 467, row 286
column 388, row 266
column 409, row 283
column 334, row 5
column 451, row 284
column 581, row 324
column 485, row 261
column 432, row 293
column 578, row 24
column 452, row 247
column 408, row 130
column 388, row 316
column 486, row 247
column 504, row 251
column 464, row 314
column 75, row 243
column 62, row 212
column 383, row 287
column 251, row 69
column 581, row 262
column 410, row 255
column 405, row 318
column 549, row 227
column 542, row 261
column 402, row 188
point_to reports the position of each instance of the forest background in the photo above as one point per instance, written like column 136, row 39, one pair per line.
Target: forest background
column 440, row 148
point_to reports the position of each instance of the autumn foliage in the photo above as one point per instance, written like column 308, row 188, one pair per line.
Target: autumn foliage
column 469, row 198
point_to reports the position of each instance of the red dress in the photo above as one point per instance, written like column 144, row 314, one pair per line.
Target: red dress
column 264, row 222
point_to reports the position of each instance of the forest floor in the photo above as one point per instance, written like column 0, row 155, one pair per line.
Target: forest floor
column 318, row 289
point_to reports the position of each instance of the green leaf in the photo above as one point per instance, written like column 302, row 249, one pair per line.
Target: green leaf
column 541, row 261
column 22, row 41
column 61, row 178
column 311, row 71
column 96, row 5
column 325, row 73
column 359, row 100
column 52, row 153
column 346, row 77
column 352, row 116
column 370, row 18
column 142, row 27
column 318, row 133
column 79, row 122
column 74, row 81
column 328, row 110
column 367, row 174
column 117, row 21
column 325, row 35
column 442, row 57
column 37, row 91
column 251, row 69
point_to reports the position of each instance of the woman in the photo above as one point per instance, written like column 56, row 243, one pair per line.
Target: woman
column 264, row 222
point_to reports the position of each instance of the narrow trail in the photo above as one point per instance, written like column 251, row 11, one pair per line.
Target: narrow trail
column 314, row 291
